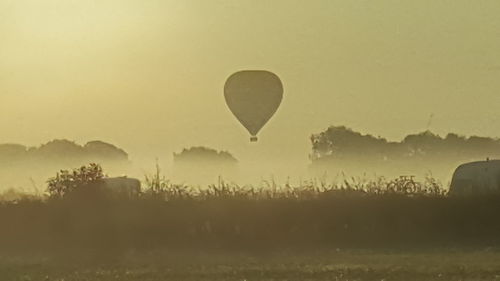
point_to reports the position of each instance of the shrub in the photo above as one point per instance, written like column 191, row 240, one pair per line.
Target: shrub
column 66, row 182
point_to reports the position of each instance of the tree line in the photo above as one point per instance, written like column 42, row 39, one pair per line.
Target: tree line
column 345, row 149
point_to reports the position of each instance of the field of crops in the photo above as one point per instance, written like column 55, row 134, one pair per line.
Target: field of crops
column 359, row 230
column 392, row 214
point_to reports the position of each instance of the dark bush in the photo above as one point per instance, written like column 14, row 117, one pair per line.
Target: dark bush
column 67, row 182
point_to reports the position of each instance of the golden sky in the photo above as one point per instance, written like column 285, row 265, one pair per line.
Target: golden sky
column 148, row 76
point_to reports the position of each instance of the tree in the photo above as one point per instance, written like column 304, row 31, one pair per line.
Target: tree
column 66, row 182
column 342, row 149
column 201, row 153
column 203, row 165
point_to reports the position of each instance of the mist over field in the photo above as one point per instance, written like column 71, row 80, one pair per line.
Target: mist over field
column 249, row 140
column 149, row 78
column 337, row 153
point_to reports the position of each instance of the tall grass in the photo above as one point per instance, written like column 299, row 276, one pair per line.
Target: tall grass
column 355, row 213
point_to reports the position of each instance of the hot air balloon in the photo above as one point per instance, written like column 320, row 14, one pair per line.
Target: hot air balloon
column 253, row 96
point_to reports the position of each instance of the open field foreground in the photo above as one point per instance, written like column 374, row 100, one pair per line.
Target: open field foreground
column 226, row 233
column 338, row 265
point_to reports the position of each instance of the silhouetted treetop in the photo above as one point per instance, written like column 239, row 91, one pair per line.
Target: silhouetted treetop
column 58, row 149
column 63, row 151
column 340, row 142
column 103, row 149
column 12, row 151
column 203, row 165
column 21, row 165
column 203, row 154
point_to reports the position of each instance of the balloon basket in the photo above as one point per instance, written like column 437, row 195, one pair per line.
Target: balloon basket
column 253, row 139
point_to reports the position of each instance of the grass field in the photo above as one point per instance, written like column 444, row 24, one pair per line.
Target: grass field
column 337, row 265
column 310, row 232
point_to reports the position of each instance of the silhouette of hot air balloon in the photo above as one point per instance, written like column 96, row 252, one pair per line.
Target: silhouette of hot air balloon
column 253, row 96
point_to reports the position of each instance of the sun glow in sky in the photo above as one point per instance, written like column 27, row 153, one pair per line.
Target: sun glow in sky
column 148, row 75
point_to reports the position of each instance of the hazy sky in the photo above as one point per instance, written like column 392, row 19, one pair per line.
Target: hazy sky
column 148, row 75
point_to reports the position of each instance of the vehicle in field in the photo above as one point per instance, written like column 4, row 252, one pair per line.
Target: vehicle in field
column 478, row 177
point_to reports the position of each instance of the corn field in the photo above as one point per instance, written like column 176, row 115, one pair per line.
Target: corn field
column 401, row 212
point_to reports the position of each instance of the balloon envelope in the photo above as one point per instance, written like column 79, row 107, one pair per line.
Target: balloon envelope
column 253, row 96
